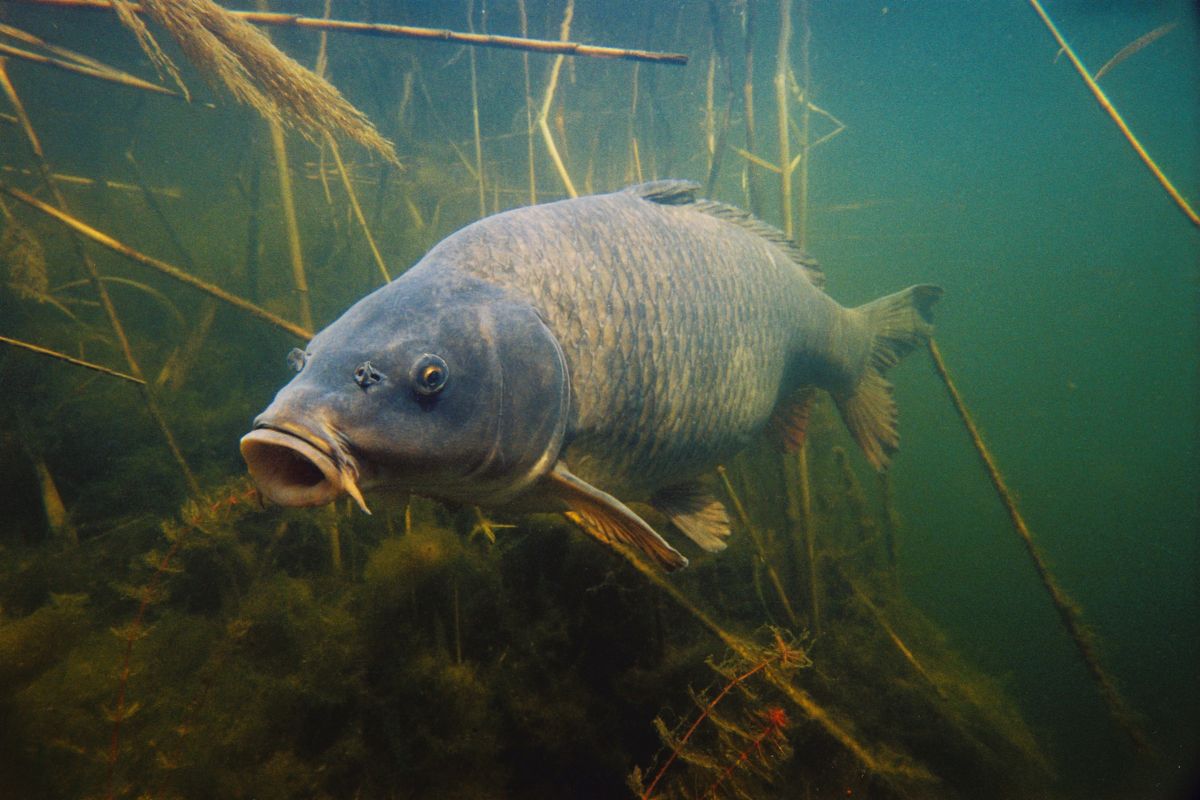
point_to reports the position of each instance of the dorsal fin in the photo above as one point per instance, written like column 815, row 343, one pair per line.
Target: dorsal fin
column 683, row 193
column 670, row 192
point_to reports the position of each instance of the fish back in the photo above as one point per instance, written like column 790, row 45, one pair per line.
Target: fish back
column 678, row 321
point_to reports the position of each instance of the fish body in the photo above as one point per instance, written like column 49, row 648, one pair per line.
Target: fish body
column 605, row 347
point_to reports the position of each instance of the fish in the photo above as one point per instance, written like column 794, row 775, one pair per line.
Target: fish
column 580, row 355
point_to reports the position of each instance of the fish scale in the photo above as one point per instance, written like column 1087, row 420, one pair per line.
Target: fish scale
column 683, row 323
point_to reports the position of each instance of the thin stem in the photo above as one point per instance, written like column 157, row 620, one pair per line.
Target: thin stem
column 528, row 107
column 358, row 212
column 475, row 114
column 125, row 250
column 79, row 362
column 107, row 74
column 781, row 115
column 110, row 310
column 1116, row 117
column 548, row 100
column 759, row 545
column 295, row 251
column 1068, row 611
column 805, row 148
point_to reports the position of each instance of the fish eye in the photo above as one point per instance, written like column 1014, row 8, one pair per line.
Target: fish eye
column 297, row 358
column 429, row 374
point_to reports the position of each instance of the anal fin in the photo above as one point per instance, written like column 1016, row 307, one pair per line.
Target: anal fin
column 700, row 516
column 606, row 518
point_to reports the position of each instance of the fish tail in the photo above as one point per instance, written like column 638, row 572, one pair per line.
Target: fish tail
column 898, row 323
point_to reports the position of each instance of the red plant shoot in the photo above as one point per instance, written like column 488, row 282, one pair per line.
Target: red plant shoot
column 774, row 722
column 782, row 653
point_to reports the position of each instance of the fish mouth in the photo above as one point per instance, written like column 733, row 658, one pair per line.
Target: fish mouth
column 293, row 468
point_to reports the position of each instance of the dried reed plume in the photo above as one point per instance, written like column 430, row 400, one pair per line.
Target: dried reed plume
column 256, row 72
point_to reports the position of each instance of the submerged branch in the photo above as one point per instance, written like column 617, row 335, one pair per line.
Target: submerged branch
column 390, row 31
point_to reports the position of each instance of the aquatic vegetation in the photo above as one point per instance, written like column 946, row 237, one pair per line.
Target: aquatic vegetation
column 166, row 634
column 22, row 254
column 766, row 739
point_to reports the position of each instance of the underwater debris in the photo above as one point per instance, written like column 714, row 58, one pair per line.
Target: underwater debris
column 1136, row 45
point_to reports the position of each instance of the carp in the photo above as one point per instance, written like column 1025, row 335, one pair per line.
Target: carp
column 579, row 354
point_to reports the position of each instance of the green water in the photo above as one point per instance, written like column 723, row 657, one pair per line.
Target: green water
column 972, row 157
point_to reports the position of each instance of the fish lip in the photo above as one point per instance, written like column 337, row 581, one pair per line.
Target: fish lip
column 293, row 467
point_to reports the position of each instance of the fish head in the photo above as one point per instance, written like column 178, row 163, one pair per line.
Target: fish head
column 451, row 388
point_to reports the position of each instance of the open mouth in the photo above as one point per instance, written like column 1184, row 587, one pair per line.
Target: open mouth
column 292, row 470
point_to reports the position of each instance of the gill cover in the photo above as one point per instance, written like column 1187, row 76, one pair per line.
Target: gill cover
column 530, row 398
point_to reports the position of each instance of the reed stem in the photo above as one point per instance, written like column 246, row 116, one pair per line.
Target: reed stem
column 782, row 116
column 635, row 156
column 125, row 250
column 295, row 251
column 1116, row 117
column 528, row 107
column 63, row 178
column 106, row 74
column 806, row 77
column 1068, row 612
column 174, row 371
column 110, row 310
column 475, row 114
column 748, row 176
column 386, row 30
column 904, row 650
column 809, row 538
column 79, row 362
column 760, row 546
column 543, row 119
column 357, row 208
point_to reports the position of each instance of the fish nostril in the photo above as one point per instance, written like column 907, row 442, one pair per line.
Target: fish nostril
column 366, row 375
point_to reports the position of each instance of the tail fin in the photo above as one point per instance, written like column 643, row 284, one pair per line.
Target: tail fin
column 898, row 322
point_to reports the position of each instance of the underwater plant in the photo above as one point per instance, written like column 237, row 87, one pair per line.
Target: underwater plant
column 760, row 743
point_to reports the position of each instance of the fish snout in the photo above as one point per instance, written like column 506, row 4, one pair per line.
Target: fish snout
column 294, row 468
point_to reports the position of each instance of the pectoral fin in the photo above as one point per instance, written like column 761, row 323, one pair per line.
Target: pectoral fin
column 608, row 519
